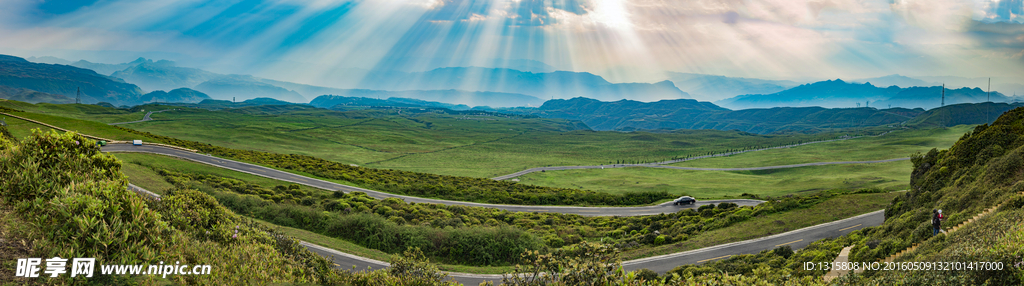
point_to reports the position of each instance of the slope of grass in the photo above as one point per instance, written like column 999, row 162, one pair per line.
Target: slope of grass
column 893, row 145
column 20, row 128
column 723, row 184
column 482, row 145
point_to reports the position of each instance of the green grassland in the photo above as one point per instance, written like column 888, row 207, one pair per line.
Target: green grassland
column 723, row 184
column 478, row 145
column 141, row 170
column 898, row 144
column 21, row 128
column 464, row 145
column 79, row 111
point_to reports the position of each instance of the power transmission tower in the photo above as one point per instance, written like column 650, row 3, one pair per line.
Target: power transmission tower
column 78, row 96
column 943, row 95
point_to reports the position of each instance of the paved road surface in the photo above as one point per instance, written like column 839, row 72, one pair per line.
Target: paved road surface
column 144, row 118
column 317, row 183
column 796, row 239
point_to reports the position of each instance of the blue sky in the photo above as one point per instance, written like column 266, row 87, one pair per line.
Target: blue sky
column 315, row 41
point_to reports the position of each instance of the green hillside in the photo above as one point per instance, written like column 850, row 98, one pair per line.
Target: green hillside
column 982, row 170
column 66, row 80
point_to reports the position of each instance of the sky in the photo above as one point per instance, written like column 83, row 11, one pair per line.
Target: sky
column 313, row 41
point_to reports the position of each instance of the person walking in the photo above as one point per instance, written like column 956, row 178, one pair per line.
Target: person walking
column 936, row 222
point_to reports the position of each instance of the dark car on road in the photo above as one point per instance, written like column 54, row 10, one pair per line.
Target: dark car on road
column 684, row 200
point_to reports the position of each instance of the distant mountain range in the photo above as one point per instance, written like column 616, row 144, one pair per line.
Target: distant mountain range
column 690, row 114
column 163, row 75
column 344, row 102
column 559, row 84
column 837, row 93
column 65, row 80
column 897, row 80
column 715, row 87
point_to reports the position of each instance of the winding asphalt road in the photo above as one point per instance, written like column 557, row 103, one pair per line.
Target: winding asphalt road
column 661, row 264
column 331, row 186
column 144, row 118
column 796, row 239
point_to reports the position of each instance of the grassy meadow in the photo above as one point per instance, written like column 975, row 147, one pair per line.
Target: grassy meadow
column 898, row 144
column 481, row 145
column 726, row 184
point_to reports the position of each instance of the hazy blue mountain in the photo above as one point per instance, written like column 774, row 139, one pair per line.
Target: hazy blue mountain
column 32, row 96
column 715, row 87
column 100, row 68
column 66, row 80
column 559, row 84
column 49, row 60
column 343, row 102
column 931, row 97
column 243, row 87
column 897, row 80
column 183, row 95
column 690, row 114
column 163, row 75
column 829, row 93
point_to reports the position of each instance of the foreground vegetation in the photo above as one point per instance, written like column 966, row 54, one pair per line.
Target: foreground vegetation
column 326, row 213
column 70, row 200
column 981, row 170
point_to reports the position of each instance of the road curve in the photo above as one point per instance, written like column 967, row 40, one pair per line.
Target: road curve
column 144, row 118
column 796, row 239
column 331, row 186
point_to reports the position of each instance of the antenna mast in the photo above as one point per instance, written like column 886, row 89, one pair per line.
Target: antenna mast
column 989, row 89
column 78, row 96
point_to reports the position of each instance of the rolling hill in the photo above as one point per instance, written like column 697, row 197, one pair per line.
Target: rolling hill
column 31, row 96
column 690, row 114
column 65, row 80
column 183, row 95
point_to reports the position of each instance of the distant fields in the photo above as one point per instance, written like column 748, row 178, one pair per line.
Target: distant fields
column 422, row 141
column 897, row 144
column 720, row 184
column 724, row 184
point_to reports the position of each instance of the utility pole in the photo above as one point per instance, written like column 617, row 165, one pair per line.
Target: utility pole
column 78, row 96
